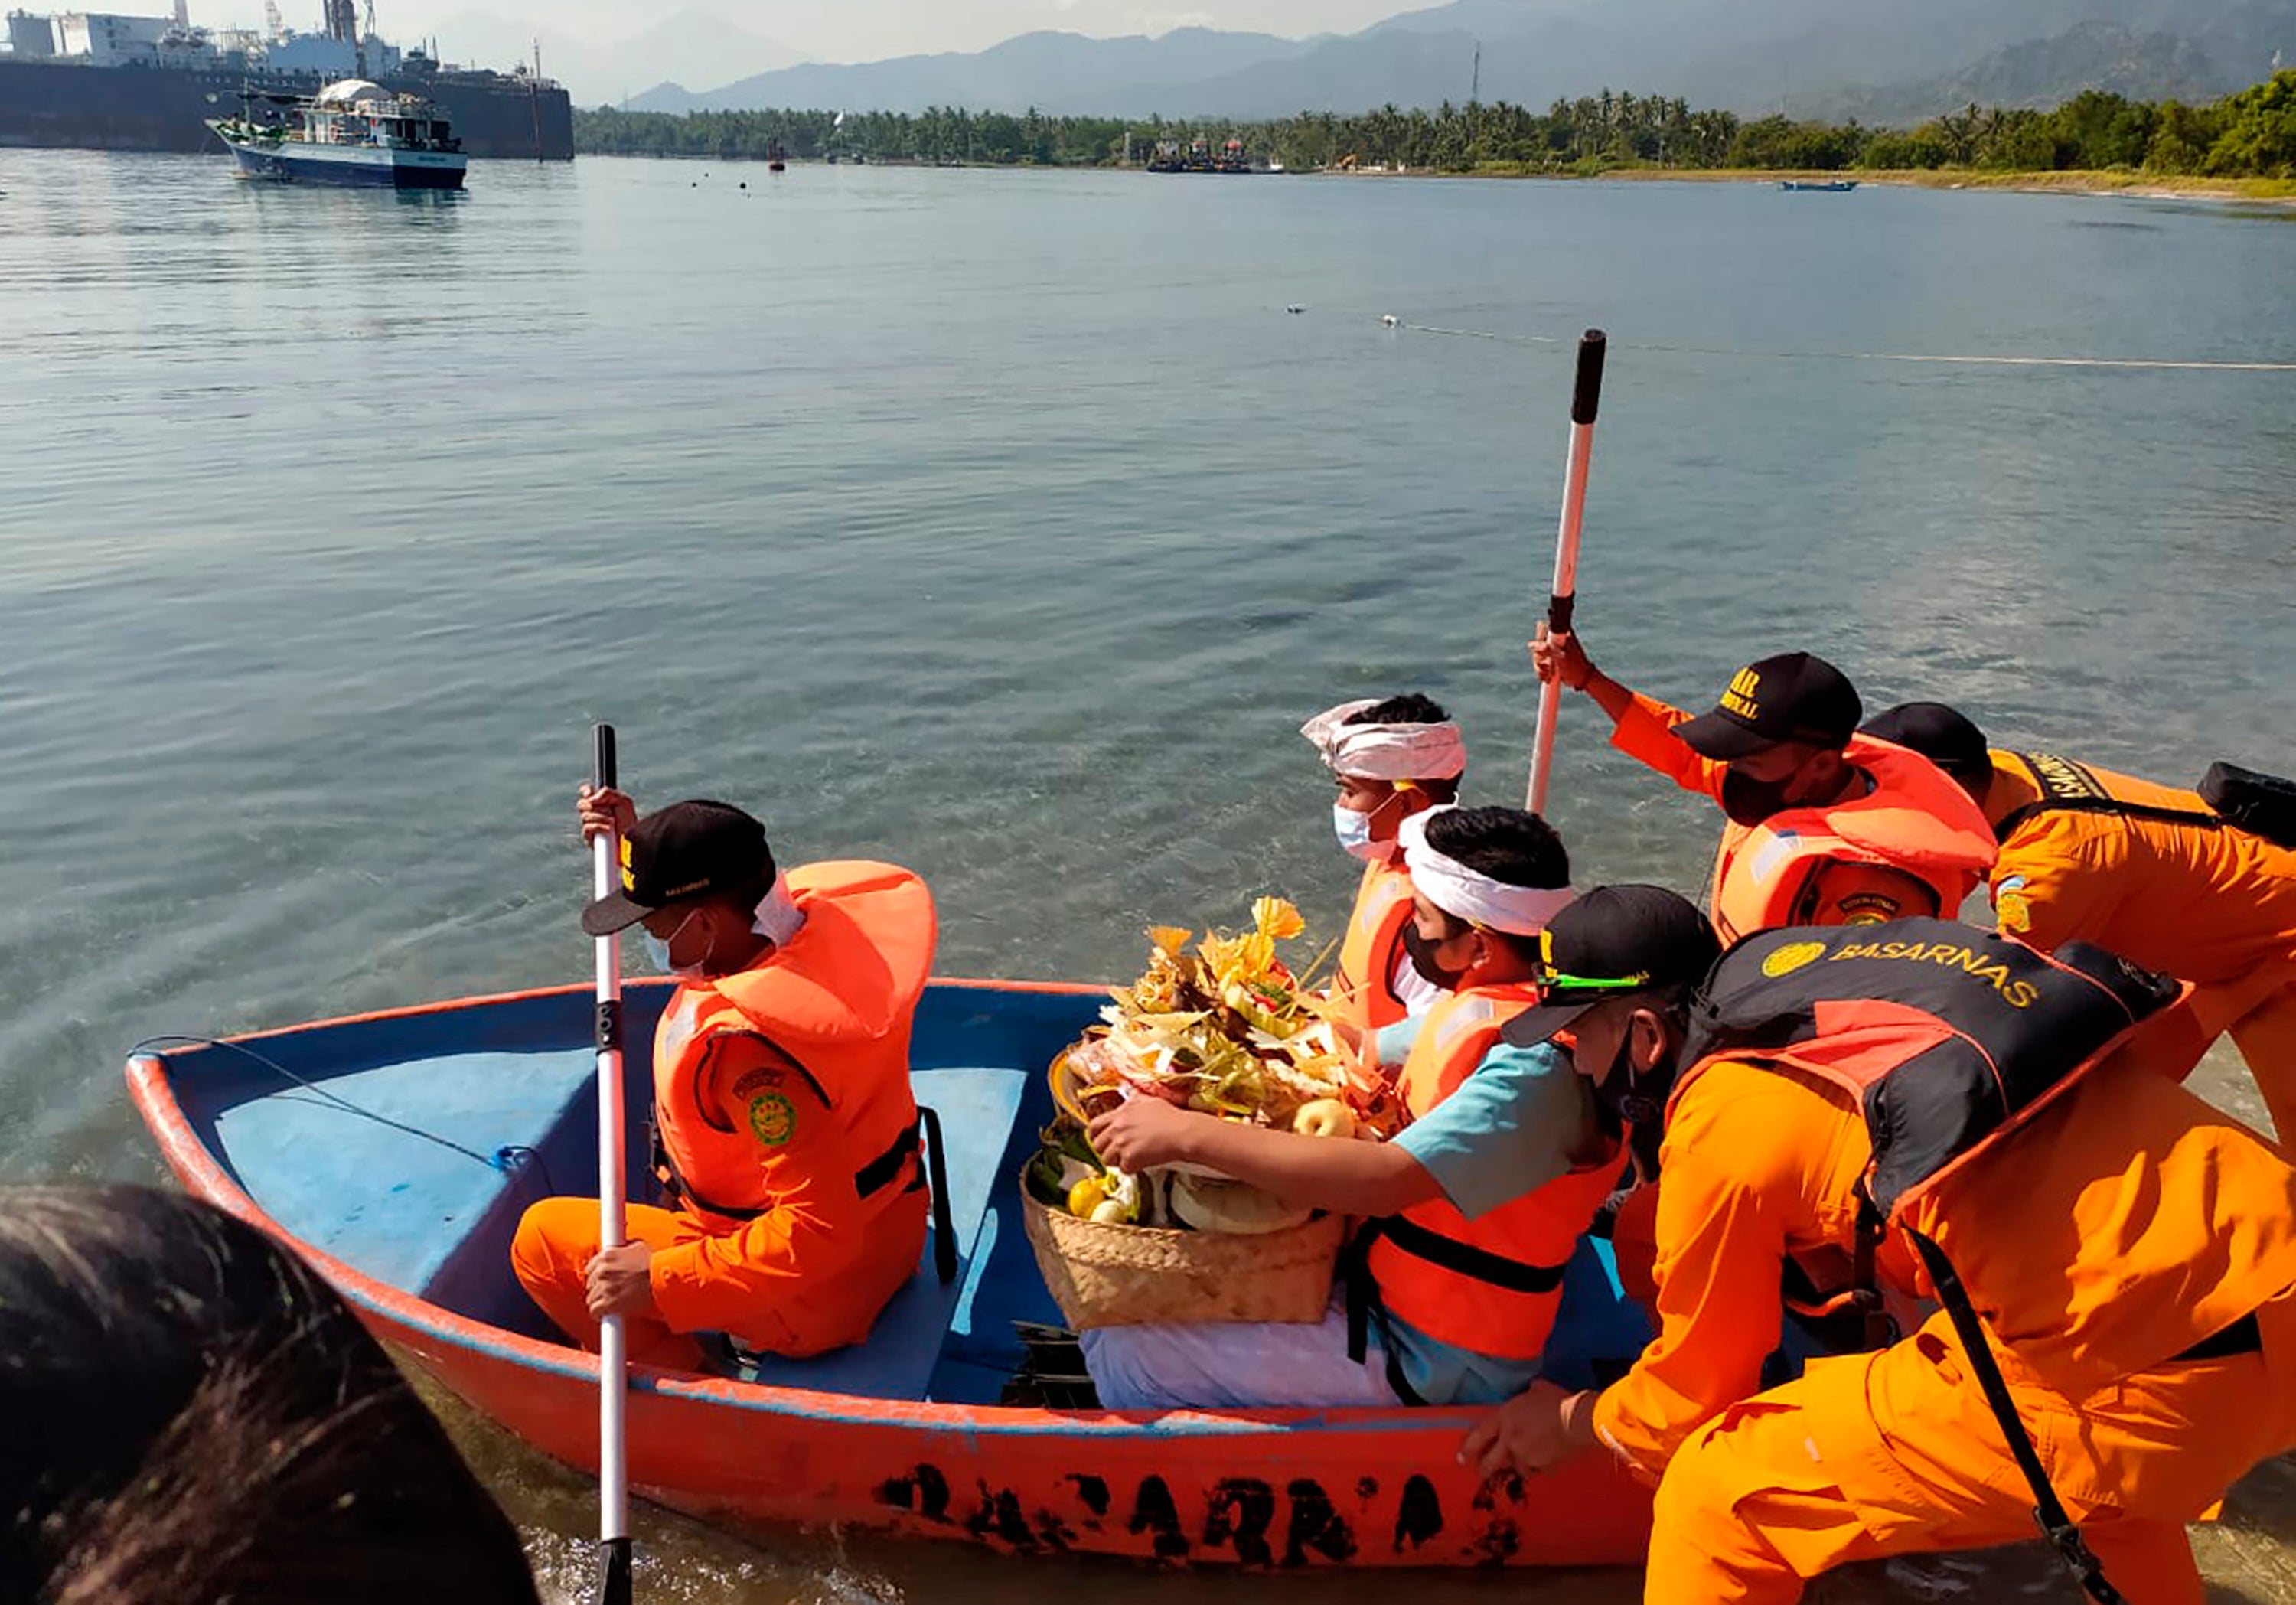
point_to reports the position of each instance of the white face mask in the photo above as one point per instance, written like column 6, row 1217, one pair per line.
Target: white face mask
column 657, row 950
column 1354, row 831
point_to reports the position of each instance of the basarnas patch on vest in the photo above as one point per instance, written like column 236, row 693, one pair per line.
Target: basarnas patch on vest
column 773, row 1119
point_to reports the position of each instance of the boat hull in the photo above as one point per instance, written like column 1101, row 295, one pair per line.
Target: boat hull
column 1257, row 1488
column 348, row 166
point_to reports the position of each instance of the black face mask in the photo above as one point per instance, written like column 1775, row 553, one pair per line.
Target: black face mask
column 1624, row 1099
column 1423, row 959
column 1749, row 801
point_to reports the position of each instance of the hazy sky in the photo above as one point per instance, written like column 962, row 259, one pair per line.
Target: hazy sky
column 864, row 30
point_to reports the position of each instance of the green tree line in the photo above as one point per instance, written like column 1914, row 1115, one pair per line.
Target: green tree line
column 2252, row 133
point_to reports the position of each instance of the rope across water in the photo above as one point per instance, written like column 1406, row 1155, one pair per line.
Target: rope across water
column 1389, row 320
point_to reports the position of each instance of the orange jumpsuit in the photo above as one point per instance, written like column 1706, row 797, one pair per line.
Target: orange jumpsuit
column 2215, row 906
column 1943, row 853
column 783, row 1103
column 2129, row 1224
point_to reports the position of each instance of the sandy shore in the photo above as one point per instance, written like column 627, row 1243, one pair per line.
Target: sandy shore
column 2150, row 186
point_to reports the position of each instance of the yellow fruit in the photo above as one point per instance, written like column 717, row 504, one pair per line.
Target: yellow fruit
column 1088, row 1196
column 1325, row 1117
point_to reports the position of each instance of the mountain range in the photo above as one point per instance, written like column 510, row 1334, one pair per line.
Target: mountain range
column 1881, row 60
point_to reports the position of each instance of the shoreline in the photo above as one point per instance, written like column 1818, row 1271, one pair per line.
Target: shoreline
column 2134, row 186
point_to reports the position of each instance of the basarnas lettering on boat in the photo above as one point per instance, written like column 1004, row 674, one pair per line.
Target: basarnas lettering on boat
column 1952, row 956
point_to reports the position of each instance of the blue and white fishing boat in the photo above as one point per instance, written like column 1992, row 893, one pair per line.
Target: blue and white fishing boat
column 352, row 132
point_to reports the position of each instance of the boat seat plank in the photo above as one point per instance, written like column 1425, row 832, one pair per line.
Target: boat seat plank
column 977, row 1106
column 392, row 1202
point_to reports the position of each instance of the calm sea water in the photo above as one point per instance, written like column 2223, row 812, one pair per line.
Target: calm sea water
column 1006, row 524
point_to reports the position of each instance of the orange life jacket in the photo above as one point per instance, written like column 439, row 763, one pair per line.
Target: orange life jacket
column 1364, row 984
column 1915, row 819
column 1491, row 1284
column 838, row 1000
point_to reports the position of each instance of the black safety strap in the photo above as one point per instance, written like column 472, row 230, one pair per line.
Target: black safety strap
column 877, row 1174
column 2048, row 1511
column 937, row 1169
column 1465, row 1259
column 2054, row 802
column 1460, row 1259
column 885, row 1170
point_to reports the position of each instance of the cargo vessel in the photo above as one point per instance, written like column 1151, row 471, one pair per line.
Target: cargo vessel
column 115, row 82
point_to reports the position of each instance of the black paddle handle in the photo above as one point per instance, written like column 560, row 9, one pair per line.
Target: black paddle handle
column 1587, row 393
column 602, row 756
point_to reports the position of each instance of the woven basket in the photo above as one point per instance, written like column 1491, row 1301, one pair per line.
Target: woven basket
column 1110, row 1275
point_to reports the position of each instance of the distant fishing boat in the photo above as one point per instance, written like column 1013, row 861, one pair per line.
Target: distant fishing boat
column 396, row 1151
column 1830, row 186
column 353, row 132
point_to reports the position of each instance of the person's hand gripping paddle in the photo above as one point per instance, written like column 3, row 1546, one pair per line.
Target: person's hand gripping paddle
column 1585, row 394
column 612, row 1583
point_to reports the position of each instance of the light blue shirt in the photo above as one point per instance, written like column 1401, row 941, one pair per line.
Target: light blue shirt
column 1510, row 1127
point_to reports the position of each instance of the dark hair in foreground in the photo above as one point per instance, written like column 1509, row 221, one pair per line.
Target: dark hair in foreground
column 191, row 1415
column 1509, row 845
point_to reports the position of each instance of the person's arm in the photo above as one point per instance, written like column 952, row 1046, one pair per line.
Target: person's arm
column 1523, row 1118
column 2053, row 883
column 1337, row 1174
column 1721, row 1251
column 1642, row 727
column 817, row 1223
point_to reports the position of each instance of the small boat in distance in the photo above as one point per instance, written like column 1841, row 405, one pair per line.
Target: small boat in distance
column 1831, row 187
column 352, row 132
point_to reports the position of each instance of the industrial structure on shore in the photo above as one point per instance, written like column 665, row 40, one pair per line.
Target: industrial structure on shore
column 89, row 81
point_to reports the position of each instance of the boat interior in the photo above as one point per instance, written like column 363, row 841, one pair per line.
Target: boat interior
column 406, row 1145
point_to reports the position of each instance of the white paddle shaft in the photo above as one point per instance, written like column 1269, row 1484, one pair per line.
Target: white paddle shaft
column 1563, row 591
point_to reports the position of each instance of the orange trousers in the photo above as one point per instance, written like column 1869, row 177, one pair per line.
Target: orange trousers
column 556, row 1240
column 1892, row 1454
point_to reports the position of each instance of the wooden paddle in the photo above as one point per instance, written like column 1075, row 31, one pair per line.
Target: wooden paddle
column 1585, row 394
column 612, row 1583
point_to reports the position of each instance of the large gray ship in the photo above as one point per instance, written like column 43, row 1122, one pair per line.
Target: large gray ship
column 83, row 80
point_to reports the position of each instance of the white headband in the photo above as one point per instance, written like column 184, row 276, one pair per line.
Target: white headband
column 1386, row 752
column 778, row 918
column 1465, row 894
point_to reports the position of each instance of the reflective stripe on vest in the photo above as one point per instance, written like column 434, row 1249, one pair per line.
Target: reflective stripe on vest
column 2069, row 788
column 1366, row 985
column 1490, row 1285
column 1915, row 819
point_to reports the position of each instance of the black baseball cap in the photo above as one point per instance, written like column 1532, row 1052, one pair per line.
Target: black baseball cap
column 1944, row 735
column 678, row 854
column 1614, row 942
column 1793, row 697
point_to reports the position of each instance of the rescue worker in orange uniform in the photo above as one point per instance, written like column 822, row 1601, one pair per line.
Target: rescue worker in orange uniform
column 2152, row 873
column 1922, row 1093
column 1481, row 1201
column 1826, row 827
column 1389, row 760
column 785, row 1131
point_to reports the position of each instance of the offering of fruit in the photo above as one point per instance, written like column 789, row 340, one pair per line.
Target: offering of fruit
column 1224, row 1028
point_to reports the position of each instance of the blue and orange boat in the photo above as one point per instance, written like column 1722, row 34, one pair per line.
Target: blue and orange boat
column 396, row 1152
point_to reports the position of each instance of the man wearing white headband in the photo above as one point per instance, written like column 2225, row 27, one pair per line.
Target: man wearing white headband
column 1478, row 1206
column 1389, row 761
column 785, row 1132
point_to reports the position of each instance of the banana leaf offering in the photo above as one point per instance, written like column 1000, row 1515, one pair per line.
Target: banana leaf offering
column 1223, row 1026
